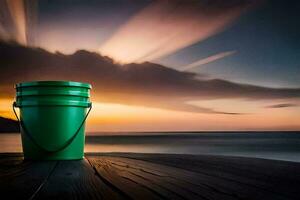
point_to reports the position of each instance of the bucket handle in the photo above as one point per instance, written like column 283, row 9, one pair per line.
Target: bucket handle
column 41, row 147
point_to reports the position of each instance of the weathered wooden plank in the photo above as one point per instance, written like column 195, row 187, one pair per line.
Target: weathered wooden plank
column 168, row 186
column 206, row 184
column 144, row 176
column 76, row 180
column 276, row 176
column 22, row 179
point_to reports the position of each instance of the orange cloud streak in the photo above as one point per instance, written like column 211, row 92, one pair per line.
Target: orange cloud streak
column 165, row 27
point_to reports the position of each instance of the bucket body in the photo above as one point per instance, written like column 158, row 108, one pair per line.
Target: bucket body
column 52, row 119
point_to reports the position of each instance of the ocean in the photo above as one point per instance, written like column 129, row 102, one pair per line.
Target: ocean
column 269, row 145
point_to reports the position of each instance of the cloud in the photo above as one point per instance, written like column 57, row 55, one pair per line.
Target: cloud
column 164, row 27
column 146, row 84
column 282, row 105
column 207, row 60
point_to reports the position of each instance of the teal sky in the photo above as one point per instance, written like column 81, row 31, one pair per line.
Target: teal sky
column 266, row 44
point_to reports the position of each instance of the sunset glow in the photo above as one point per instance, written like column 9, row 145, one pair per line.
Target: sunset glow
column 109, row 117
column 116, row 118
column 159, row 65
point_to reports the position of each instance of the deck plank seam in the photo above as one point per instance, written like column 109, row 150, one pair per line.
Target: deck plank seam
column 165, row 188
column 148, row 181
column 146, row 187
column 108, row 183
column 44, row 182
column 91, row 168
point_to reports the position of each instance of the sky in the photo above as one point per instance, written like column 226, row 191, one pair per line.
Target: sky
column 161, row 65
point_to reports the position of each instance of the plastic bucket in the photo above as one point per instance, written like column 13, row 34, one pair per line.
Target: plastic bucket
column 52, row 119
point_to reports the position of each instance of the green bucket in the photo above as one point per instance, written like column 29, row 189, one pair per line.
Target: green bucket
column 52, row 119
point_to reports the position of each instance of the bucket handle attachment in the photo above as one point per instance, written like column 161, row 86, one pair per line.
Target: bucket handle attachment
column 41, row 147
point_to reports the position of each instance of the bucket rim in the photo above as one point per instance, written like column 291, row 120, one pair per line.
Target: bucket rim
column 33, row 103
column 38, row 93
column 53, row 83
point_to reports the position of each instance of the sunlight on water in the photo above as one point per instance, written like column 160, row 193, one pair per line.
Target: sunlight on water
column 10, row 142
column 123, row 148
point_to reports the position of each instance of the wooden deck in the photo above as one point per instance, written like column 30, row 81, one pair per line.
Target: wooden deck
column 149, row 176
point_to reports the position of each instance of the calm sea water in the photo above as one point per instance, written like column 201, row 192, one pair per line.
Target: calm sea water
column 271, row 145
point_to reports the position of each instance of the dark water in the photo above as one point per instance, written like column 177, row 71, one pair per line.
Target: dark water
column 271, row 145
